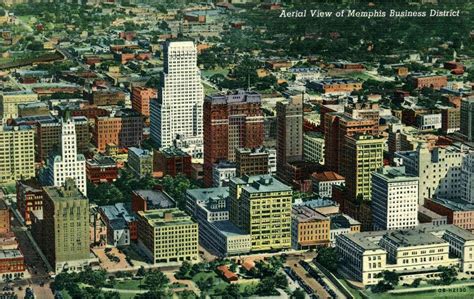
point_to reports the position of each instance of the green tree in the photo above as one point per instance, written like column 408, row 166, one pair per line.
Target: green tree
column 155, row 280
column 266, row 287
column 447, row 275
column 141, row 271
column 328, row 258
column 184, row 270
column 298, row 294
column 232, row 291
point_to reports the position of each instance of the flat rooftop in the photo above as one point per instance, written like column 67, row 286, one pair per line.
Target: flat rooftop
column 260, row 183
column 156, row 199
column 228, row 229
column 166, row 217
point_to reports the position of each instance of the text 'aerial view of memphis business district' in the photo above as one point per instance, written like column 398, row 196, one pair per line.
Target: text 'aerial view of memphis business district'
column 157, row 149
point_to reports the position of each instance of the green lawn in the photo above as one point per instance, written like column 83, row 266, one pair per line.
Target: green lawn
column 128, row 285
column 218, row 285
column 65, row 294
column 209, row 73
column 434, row 292
column 209, row 89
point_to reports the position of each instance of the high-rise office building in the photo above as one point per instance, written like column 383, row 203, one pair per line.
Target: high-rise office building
column 230, row 121
column 289, row 132
column 467, row 118
column 67, row 164
column 364, row 154
column 63, row 234
column 176, row 116
column 394, row 199
column 439, row 170
column 124, row 129
column 141, row 97
column 17, row 153
column 261, row 207
column 338, row 126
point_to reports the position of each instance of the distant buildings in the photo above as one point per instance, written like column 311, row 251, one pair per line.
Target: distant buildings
column 230, row 121
column 457, row 211
column 140, row 161
column 9, row 101
column 417, row 252
column 124, row 129
column 68, row 163
column 467, row 118
column 16, row 153
column 167, row 236
column 335, row 86
column 176, row 116
column 66, row 248
column 428, row 81
column 394, row 199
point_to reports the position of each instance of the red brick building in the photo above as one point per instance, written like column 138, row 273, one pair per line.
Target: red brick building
column 429, row 81
column 101, row 169
column 141, row 99
column 124, row 129
column 230, row 121
column 4, row 218
column 29, row 196
column 12, row 264
column 171, row 161
column 458, row 212
column 104, row 97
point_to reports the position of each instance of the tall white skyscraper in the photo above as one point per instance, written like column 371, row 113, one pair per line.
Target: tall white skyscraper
column 176, row 116
column 69, row 164
column 394, row 199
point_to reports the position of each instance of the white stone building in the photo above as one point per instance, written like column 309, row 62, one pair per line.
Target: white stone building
column 394, row 199
column 313, row 147
column 413, row 253
column 69, row 164
column 439, row 170
column 222, row 172
column 176, row 116
column 429, row 121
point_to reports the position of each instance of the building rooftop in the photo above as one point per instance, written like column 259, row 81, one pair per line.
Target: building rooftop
column 173, row 152
column 156, row 199
column 139, row 152
column 410, row 238
column 117, row 211
column 342, row 221
column 206, row 194
column 239, row 96
column 394, row 174
column 260, row 183
column 102, row 161
column 68, row 191
column 327, row 176
column 306, row 214
column 168, row 217
column 228, row 229
column 454, row 204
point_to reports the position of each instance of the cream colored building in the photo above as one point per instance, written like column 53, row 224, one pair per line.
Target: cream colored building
column 168, row 235
column 10, row 100
column 411, row 253
column 313, row 147
column 17, row 153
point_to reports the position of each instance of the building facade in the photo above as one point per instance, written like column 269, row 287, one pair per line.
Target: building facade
column 467, row 118
column 17, row 159
column 313, row 147
column 141, row 97
column 9, row 101
column 168, row 235
column 231, row 121
column 176, row 116
column 67, row 164
column 140, row 161
column 394, row 199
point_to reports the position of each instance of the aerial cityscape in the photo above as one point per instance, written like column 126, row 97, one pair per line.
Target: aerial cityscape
column 230, row 149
